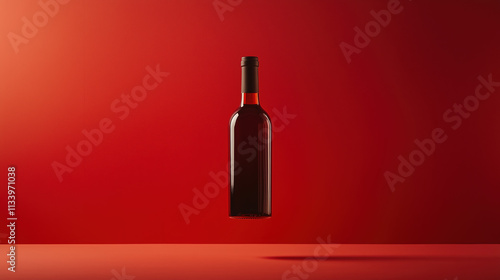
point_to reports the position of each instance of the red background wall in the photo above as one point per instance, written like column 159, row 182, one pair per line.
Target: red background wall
column 352, row 120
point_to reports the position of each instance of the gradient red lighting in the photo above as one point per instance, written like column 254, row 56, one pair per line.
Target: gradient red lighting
column 89, row 90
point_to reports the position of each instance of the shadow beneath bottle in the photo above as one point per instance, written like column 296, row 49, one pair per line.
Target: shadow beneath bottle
column 371, row 258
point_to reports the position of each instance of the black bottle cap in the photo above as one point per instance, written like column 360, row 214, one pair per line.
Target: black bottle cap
column 250, row 61
column 249, row 74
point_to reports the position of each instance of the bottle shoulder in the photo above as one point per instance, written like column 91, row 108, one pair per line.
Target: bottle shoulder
column 250, row 112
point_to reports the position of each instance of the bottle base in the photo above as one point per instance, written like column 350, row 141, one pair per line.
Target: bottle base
column 250, row 216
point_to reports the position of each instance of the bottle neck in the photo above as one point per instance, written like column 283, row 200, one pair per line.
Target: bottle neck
column 250, row 80
column 251, row 98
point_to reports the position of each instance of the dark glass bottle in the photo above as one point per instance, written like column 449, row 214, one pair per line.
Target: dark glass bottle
column 250, row 150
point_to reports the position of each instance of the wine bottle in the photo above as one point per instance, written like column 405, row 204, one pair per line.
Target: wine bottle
column 250, row 150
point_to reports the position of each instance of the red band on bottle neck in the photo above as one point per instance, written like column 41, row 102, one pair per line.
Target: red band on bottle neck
column 250, row 98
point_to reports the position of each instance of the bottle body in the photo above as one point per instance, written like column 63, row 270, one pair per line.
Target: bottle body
column 250, row 151
column 250, row 163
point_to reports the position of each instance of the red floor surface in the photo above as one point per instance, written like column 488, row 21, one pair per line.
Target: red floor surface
column 254, row 261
